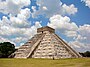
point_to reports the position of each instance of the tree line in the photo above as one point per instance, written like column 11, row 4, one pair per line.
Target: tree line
column 7, row 48
column 85, row 54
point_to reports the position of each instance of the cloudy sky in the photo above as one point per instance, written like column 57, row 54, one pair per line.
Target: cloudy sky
column 19, row 20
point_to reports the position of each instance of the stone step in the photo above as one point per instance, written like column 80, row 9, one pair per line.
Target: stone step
column 24, row 50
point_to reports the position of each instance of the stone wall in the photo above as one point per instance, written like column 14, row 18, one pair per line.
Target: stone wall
column 50, row 47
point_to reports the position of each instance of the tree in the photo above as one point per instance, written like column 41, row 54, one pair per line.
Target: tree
column 87, row 54
column 6, row 48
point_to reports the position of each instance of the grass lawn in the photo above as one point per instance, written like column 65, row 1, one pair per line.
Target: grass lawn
column 79, row 62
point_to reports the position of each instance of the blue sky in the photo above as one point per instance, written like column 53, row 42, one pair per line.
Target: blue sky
column 82, row 16
column 19, row 20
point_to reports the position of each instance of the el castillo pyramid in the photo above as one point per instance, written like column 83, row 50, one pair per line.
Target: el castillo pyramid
column 45, row 44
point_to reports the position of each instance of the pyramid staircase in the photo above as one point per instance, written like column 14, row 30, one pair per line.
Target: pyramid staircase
column 45, row 44
column 25, row 50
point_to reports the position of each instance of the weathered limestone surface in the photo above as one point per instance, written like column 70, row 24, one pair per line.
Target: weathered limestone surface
column 46, row 44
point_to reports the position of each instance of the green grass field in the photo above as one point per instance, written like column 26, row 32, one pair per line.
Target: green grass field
column 79, row 62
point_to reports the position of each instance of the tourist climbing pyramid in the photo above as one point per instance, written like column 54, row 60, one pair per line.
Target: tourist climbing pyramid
column 45, row 44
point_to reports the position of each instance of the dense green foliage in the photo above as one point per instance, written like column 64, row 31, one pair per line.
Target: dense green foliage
column 78, row 62
column 6, row 48
column 86, row 54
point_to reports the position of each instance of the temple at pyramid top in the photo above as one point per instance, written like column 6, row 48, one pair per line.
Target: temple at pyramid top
column 44, row 29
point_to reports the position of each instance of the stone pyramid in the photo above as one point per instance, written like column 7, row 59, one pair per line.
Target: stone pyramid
column 45, row 44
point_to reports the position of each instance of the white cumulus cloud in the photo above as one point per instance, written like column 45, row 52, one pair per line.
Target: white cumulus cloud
column 84, row 31
column 34, row 8
column 63, row 24
column 87, row 2
column 44, row 8
column 17, row 29
column 81, row 47
column 82, row 40
column 13, row 6
column 21, row 19
column 71, row 9
column 16, row 34
column 48, row 7
column 53, row 7
column 2, row 39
